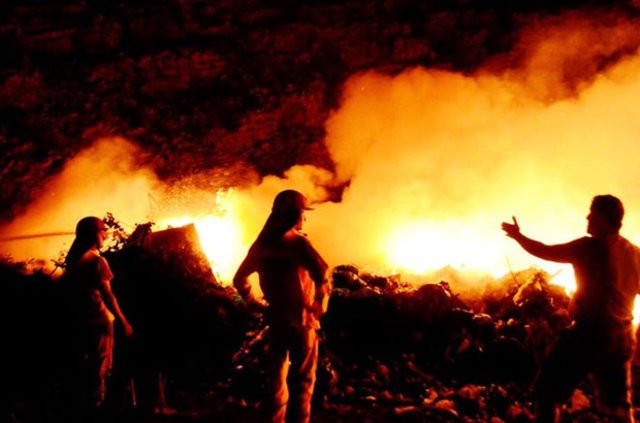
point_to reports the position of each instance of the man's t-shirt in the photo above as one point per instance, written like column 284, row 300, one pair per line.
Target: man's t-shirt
column 607, row 277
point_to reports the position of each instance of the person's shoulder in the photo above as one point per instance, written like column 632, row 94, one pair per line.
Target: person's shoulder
column 585, row 241
column 95, row 258
column 625, row 243
column 588, row 245
column 102, row 261
column 90, row 257
column 299, row 239
column 103, row 268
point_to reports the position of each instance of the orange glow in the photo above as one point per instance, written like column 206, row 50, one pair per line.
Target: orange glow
column 220, row 236
column 422, row 246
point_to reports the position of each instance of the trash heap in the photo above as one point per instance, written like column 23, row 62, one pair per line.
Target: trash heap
column 428, row 350
column 390, row 351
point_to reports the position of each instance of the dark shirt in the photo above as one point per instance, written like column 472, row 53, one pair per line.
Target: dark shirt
column 607, row 277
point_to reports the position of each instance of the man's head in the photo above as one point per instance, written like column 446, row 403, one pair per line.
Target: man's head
column 605, row 215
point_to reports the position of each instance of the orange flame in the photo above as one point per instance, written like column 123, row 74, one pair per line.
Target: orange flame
column 220, row 234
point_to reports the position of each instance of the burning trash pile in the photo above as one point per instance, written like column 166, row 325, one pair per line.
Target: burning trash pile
column 388, row 348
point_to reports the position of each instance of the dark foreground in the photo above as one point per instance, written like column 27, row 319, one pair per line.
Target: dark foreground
column 390, row 352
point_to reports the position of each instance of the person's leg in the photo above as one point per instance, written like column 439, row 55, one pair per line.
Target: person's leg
column 278, row 366
column 564, row 367
column 546, row 410
column 162, row 406
column 302, row 375
column 612, row 375
column 105, row 357
column 93, row 369
column 121, row 394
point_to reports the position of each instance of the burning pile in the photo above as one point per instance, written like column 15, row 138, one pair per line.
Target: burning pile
column 388, row 347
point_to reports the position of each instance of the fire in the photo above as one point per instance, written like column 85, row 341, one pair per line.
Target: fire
column 422, row 246
column 220, row 234
column 219, row 237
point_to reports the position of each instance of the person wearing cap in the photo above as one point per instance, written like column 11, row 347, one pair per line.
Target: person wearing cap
column 292, row 277
column 600, row 339
column 95, row 307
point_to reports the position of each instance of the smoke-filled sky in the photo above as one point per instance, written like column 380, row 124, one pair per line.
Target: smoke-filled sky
column 435, row 159
column 441, row 158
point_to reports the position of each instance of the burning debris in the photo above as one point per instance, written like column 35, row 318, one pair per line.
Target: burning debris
column 390, row 349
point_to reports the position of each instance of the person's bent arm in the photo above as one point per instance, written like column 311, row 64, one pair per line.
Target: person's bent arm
column 241, row 279
column 242, row 284
column 317, row 268
column 105, row 276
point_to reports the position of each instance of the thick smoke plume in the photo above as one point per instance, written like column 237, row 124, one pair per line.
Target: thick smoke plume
column 434, row 161
column 437, row 159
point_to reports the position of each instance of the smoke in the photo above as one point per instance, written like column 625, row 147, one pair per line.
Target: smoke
column 560, row 56
column 434, row 160
column 107, row 178
column 100, row 179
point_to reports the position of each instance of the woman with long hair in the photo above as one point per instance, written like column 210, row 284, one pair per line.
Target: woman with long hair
column 95, row 307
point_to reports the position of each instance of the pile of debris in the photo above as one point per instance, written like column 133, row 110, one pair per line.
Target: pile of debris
column 387, row 347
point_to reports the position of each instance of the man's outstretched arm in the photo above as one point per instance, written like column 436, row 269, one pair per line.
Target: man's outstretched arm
column 560, row 252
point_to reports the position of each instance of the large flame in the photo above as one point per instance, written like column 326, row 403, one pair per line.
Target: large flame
column 221, row 236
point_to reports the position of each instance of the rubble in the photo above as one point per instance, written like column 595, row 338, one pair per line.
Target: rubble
column 388, row 349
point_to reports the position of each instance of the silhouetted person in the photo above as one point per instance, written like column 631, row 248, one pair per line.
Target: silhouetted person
column 95, row 306
column 600, row 339
column 292, row 278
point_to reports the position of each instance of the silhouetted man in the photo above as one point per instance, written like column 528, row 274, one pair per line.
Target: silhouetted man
column 292, row 278
column 600, row 339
